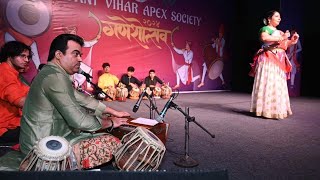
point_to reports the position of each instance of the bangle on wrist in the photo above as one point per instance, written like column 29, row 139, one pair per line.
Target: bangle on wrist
column 109, row 129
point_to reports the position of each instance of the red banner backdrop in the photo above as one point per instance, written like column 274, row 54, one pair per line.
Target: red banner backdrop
column 124, row 33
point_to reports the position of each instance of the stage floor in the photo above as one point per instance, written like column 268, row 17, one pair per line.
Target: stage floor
column 247, row 147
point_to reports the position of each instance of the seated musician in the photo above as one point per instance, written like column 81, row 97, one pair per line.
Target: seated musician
column 152, row 80
column 129, row 80
column 14, row 60
column 107, row 81
column 54, row 108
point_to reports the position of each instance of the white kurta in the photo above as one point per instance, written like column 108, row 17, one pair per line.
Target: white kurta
column 182, row 72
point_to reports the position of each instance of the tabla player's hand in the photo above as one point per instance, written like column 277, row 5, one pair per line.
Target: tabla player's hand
column 119, row 121
column 132, row 85
column 121, row 114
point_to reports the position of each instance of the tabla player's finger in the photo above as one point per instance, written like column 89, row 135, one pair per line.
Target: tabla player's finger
column 125, row 122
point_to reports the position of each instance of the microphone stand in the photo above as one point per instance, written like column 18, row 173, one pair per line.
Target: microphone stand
column 152, row 106
column 97, row 88
column 186, row 160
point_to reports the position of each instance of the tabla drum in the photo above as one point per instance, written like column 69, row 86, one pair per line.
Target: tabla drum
column 148, row 91
column 134, row 93
column 121, row 94
column 140, row 150
column 166, row 92
column 141, row 89
column 111, row 92
column 49, row 154
column 157, row 92
column 215, row 69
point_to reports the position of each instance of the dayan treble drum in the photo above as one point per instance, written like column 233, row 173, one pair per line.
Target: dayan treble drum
column 122, row 92
column 140, row 150
column 134, row 93
column 147, row 92
column 50, row 153
column 111, row 92
column 157, row 92
column 166, row 91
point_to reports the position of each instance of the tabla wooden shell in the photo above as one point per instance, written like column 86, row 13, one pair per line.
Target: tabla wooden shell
column 134, row 93
column 166, row 92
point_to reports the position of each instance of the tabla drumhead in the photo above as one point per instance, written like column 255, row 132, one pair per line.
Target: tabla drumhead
column 53, row 148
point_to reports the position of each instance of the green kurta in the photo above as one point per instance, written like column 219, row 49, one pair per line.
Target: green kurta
column 54, row 108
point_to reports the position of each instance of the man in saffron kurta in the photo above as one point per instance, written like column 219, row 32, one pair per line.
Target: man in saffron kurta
column 14, row 58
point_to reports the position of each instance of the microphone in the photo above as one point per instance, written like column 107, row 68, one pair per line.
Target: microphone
column 137, row 105
column 160, row 118
column 88, row 76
